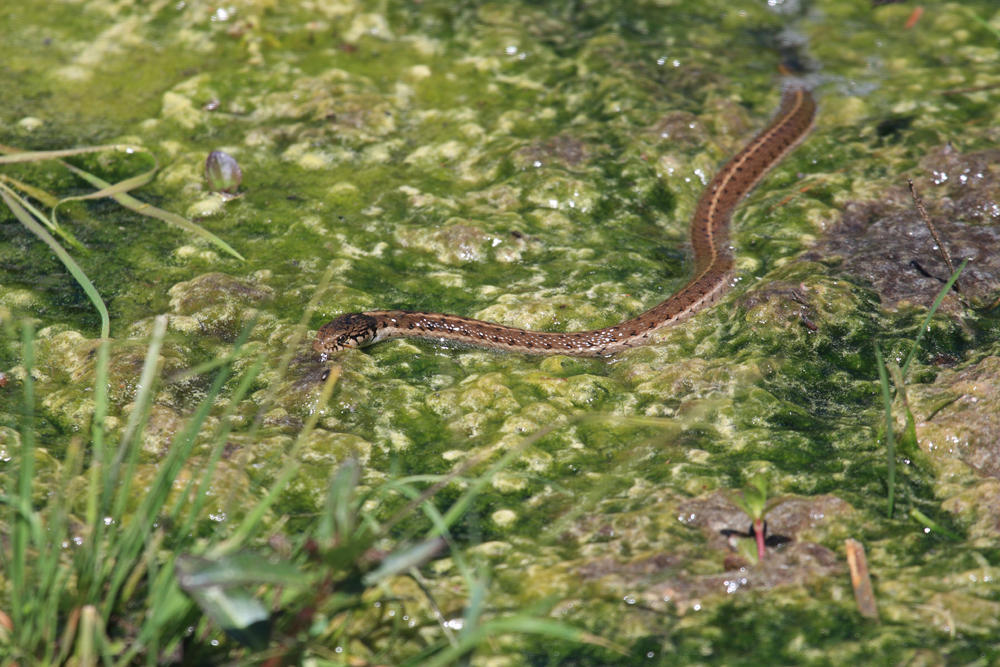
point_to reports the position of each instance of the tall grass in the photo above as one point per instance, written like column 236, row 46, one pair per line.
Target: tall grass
column 122, row 577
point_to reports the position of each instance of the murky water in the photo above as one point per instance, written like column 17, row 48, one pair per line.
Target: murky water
column 536, row 164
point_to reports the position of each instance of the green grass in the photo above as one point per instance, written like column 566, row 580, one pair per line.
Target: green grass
column 898, row 375
column 120, row 576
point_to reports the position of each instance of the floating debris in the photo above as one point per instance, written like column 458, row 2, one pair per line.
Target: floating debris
column 223, row 173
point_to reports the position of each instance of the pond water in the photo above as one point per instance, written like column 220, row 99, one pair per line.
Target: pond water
column 537, row 164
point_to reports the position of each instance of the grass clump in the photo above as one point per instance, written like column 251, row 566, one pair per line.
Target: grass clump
column 126, row 575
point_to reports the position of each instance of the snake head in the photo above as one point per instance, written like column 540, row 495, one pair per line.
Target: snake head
column 348, row 330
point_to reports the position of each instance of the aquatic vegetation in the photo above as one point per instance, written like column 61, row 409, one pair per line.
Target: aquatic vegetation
column 537, row 168
column 16, row 194
column 754, row 502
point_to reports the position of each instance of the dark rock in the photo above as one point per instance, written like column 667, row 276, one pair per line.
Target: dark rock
column 887, row 245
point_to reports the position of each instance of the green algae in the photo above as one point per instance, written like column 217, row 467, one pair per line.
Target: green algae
column 508, row 161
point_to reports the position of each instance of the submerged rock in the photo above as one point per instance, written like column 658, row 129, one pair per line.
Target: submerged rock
column 218, row 303
column 687, row 574
column 565, row 149
column 887, row 245
column 959, row 415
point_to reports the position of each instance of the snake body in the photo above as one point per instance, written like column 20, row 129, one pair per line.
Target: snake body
column 712, row 277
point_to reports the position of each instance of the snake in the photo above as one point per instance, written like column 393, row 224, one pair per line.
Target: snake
column 714, row 271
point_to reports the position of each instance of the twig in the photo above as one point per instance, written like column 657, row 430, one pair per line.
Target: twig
column 919, row 203
column 860, row 579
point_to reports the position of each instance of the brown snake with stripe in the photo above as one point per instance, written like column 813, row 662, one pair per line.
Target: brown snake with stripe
column 712, row 277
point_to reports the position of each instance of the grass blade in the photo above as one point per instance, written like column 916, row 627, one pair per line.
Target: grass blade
column 130, row 540
column 115, row 493
column 145, row 386
column 16, row 155
column 200, row 495
column 982, row 22
column 930, row 313
column 890, row 439
column 108, row 190
column 246, row 527
column 21, row 514
column 933, row 525
column 98, row 467
column 42, row 196
column 81, row 278
column 336, row 521
column 117, row 193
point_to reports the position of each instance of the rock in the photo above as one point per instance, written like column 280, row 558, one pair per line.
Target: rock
column 958, row 415
column 885, row 243
column 220, row 303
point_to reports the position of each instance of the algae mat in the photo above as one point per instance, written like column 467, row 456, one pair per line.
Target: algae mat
column 536, row 164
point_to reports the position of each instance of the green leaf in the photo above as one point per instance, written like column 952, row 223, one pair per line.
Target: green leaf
column 218, row 587
column 754, row 498
column 241, row 616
